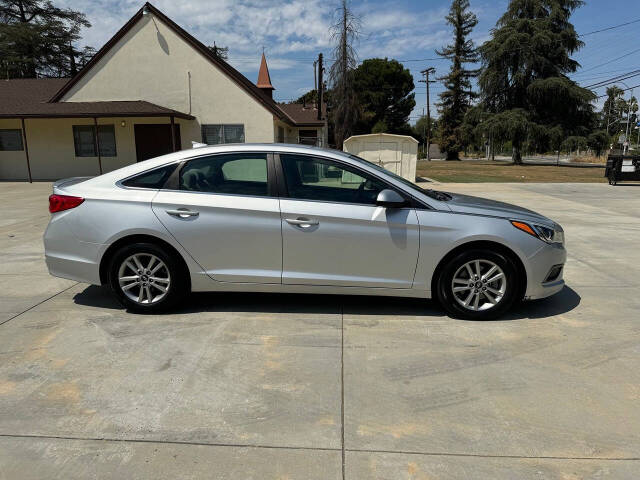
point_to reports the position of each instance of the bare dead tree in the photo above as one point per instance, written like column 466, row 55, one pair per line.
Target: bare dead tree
column 344, row 109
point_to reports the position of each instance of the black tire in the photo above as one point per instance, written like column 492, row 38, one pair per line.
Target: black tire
column 447, row 298
column 172, row 269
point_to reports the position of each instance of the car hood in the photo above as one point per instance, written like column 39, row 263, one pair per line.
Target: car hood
column 482, row 206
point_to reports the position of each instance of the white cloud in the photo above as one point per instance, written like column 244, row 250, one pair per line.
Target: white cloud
column 292, row 32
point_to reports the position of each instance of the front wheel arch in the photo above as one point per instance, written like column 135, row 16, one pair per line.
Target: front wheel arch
column 141, row 238
column 482, row 244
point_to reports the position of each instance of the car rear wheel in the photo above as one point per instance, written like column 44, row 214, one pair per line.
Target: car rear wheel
column 478, row 285
column 145, row 278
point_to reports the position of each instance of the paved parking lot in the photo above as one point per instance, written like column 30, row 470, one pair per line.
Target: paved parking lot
column 326, row 387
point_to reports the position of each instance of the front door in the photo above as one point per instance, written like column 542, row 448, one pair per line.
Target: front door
column 333, row 232
column 153, row 140
column 226, row 215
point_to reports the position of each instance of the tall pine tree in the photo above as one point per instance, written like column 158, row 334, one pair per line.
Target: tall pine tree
column 457, row 98
column 36, row 39
column 524, row 82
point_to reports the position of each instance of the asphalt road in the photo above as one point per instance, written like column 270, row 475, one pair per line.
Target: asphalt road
column 327, row 387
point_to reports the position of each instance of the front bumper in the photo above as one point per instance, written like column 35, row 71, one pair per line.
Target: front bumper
column 540, row 263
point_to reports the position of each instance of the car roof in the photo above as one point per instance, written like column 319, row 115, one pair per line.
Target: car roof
column 111, row 178
column 145, row 165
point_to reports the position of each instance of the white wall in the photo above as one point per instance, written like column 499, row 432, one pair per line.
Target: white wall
column 13, row 164
column 152, row 63
column 52, row 152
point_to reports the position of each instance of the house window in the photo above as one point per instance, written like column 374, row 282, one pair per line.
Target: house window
column 84, row 140
column 11, row 140
column 308, row 137
column 216, row 134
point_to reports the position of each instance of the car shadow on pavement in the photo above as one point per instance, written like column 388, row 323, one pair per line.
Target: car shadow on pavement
column 101, row 297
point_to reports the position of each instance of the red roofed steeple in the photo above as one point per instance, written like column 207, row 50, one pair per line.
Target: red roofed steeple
column 264, row 79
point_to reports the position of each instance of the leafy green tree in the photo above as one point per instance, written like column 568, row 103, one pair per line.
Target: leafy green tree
column 311, row 97
column 37, row 39
column 380, row 127
column 612, row 109
column 384, row 91
column 574, row 143
column 457, row 98
column 599, row 141
column 524, row 81
column 420, row 128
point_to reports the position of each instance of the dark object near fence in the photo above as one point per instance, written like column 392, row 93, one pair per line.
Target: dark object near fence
column 622, row 168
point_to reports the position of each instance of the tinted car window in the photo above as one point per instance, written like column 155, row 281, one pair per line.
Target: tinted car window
column 152, row 179
column 237, row 174
column 313, row 178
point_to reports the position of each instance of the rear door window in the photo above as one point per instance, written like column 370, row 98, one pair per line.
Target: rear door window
column 233, row 174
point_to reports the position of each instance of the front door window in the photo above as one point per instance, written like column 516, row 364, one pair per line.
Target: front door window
column 313, row 178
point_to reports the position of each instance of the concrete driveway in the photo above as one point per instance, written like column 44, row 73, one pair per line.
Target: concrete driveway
column 325, row 387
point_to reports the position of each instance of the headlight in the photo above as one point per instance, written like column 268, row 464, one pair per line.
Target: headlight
column 543, row 232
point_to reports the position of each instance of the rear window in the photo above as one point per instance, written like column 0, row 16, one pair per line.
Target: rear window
column 154, row 179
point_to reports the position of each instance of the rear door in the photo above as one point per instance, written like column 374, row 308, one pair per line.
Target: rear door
column 225, row 213
column 333, row 232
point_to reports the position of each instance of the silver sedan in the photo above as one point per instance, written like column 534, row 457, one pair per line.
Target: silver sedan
column 289, row 218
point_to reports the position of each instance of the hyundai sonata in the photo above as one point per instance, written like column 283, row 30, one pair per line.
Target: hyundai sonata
column 290, row 218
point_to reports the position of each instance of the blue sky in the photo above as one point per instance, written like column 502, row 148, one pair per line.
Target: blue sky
column 293, row 32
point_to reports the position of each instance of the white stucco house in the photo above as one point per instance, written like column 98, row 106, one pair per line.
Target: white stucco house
column 151, row 89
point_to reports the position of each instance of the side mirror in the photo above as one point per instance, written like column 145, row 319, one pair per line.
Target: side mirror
column 390, row 199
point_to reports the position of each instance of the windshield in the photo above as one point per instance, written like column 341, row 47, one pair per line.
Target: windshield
column 435, row 194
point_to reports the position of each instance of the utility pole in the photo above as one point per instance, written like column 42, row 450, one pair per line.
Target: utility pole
column 424, row 129
column 315, row 80
column 425, row 73
column 320, row 86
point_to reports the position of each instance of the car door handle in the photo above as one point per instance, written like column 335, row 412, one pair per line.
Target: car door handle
column 183, row 213
column 301, row 222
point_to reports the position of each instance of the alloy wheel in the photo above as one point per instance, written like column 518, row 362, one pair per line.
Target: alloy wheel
column 144, row 278
column 479, row 285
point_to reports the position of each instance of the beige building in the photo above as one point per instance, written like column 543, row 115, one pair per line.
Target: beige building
column 150, row 90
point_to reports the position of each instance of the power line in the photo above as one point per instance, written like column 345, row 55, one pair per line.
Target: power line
column 624, row 90
column 611, row 61
column 610, row 28
column 618, row 78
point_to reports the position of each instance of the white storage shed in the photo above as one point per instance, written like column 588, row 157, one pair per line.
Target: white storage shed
column 396, row 153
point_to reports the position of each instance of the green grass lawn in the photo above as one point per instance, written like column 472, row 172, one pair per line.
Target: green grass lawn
column 486, row 171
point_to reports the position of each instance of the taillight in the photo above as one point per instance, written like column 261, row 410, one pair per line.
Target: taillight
column 58, row 203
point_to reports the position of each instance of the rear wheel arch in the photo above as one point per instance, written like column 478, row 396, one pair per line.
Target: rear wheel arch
column 488, row 245
column 141, row 238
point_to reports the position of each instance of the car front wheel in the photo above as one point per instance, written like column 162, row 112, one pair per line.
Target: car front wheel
column 478, row 285
column 145, row 278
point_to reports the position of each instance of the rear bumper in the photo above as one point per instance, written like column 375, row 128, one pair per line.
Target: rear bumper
column 68, row 257
column 540, row 263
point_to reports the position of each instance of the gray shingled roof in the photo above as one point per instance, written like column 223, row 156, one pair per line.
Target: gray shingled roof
column 301, row 114
column 29, row 98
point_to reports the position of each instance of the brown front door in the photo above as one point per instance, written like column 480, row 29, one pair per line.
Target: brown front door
column 153, row 140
